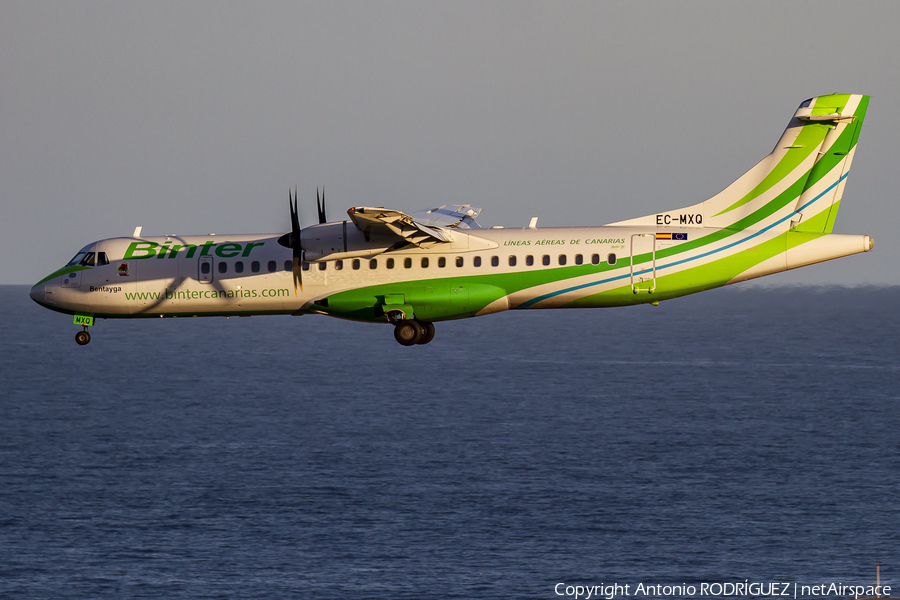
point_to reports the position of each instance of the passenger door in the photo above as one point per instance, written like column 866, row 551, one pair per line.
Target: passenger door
column 643, row 263
column 205, row 269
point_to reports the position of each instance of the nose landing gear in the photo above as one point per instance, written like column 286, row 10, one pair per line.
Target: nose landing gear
column 411, row 332
column 82, row 338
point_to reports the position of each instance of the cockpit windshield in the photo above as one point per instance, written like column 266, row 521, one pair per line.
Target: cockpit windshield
column 89, row 259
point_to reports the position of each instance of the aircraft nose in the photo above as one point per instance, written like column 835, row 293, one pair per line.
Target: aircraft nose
column 37, row 293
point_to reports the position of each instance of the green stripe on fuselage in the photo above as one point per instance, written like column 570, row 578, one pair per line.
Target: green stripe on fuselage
column 700, row 278
column 820, row 223
column 62, row 271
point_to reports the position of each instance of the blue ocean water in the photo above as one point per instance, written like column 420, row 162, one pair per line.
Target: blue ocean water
column 739, row 434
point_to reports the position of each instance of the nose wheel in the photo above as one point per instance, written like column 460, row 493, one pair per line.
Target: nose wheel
column 411, row 332
column 82, row 338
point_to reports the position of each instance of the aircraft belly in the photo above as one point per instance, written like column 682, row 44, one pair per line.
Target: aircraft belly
column 429, row 300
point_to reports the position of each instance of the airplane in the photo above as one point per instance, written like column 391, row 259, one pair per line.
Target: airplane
column 413, row 270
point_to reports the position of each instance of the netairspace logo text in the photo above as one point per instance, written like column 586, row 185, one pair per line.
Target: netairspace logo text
column 610, row 591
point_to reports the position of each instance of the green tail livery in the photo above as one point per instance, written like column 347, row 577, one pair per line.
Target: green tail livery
column 411, row 271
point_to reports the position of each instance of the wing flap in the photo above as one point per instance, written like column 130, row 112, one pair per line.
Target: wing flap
column 374, row 220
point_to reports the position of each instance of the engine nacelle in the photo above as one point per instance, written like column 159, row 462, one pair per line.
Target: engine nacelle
column 338, row 241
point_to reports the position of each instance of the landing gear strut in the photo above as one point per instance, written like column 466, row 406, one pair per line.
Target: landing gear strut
column 83, row 337
column 411, row 332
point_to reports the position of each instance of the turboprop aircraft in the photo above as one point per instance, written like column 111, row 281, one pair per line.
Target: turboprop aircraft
column 385, row 266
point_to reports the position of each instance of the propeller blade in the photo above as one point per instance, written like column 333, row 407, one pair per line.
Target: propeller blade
column 321, row 206
column 295, row 244
column 295, row 218
column 298, row 273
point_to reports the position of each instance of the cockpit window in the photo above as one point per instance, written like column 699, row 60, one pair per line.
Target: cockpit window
column 77, row 259
column 89, row 259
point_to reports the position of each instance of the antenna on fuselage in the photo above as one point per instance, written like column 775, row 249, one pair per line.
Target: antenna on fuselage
column 137, row 231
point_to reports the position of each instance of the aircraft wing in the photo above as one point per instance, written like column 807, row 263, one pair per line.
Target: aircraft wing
column 385, row 221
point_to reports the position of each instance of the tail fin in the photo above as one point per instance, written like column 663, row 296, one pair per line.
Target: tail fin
column 798, row 186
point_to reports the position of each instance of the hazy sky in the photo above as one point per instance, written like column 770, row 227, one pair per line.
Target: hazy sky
column 196, row 117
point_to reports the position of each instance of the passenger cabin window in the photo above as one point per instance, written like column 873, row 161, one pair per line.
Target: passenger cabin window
column 373, row 264
column 442, row 262
column 407, row 263
column 390, row 263
column 239, row 267
column 356, row 264
column 288, row 265
column 611, row 259
column 223, row 267
column 595, row 259
column 512, row 261
column 459, row 261
column 495, row 261
column 254, row 266
column 579, row 259
column 545, row 259
column 476, row 261
column 272, row 266
column 305, row 266
column 204, row 268
column 338, row 265
column 529, row 260
column 424, row 262
column 323, row 265
column 562, row 259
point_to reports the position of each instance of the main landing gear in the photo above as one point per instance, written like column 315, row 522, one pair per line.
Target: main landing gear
column 411, row 332
column 83, row 337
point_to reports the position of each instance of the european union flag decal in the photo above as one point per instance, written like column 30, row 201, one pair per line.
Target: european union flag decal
column 682, row 237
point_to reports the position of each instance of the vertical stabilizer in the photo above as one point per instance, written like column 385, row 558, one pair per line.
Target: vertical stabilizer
column 799, row 185
column 818, row 204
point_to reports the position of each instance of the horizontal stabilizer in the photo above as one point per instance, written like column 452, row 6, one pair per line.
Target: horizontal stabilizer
column 832, row 117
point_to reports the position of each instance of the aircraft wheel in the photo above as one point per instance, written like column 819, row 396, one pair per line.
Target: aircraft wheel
column 428, row 334
column 407, row 333
column 82, row 338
